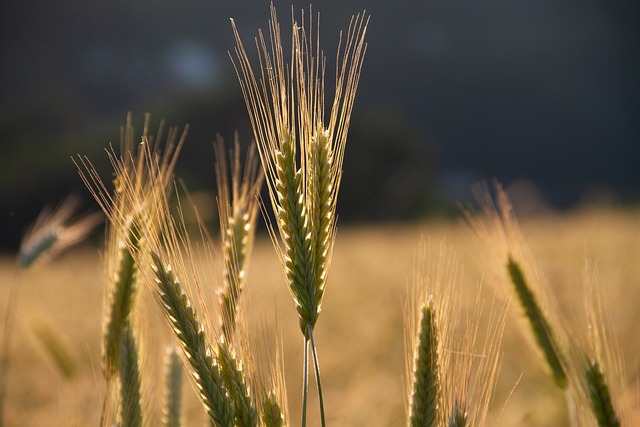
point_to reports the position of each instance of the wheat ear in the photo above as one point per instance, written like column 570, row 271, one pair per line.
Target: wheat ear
column 143, row 171
column 301, row 155
column 539, row 325
column 191, row 335
column 129, row 373
column 272, row 414
column 238, row 208
column 425, row 390
column 171, row 412
column 236, row 384
column 54, row 231
column 599, row 395
column 121, row 299
column 459, row 417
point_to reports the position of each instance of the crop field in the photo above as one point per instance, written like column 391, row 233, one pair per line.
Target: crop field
column 270, row 312
column 55, row 353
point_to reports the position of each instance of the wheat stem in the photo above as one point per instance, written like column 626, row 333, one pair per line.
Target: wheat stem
column 316, row 367
column 539, row 325
column 305, row 382
column 601, row 402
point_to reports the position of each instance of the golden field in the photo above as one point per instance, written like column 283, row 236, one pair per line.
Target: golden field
column 360, row 334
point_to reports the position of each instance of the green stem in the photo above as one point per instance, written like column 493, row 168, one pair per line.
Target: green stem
column 305, row 382
column 316, row 367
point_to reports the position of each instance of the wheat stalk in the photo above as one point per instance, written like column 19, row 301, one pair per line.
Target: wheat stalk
column 302, row 155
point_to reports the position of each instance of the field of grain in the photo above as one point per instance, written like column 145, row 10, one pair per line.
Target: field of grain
column 360, row 335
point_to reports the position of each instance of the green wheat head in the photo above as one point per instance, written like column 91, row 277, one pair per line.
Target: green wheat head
column 238, row 193
column 539, row 325
column 301, row 153
column 129, row 375
column 599, row 395
column 190, row 333
column 171, row 409
column 135, row 210
column 237, row 387
column 426, row 388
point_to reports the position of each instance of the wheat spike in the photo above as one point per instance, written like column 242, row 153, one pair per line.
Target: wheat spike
column 54, row 231
column 121, row 300
column 171, row 413
column 129, row 373
column 238, row 208
column 184, row 323
column 272, row 414
column 539, row 325
column 143, row 171
column 426, row 386
column 600, row 397
column 301, row 154
column 236, row 384
column 459, row 417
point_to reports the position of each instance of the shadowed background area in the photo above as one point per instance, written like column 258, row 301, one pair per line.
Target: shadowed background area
column 452, row 92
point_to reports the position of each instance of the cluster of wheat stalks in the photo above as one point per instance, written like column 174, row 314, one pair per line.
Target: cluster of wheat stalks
column 451, row 369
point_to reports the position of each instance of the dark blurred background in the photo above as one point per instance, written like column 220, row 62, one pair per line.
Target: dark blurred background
column 541, row 93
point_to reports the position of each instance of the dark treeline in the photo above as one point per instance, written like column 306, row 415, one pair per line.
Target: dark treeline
column 452, row 92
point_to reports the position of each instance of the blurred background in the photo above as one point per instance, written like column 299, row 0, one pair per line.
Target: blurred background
column 542, row 95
